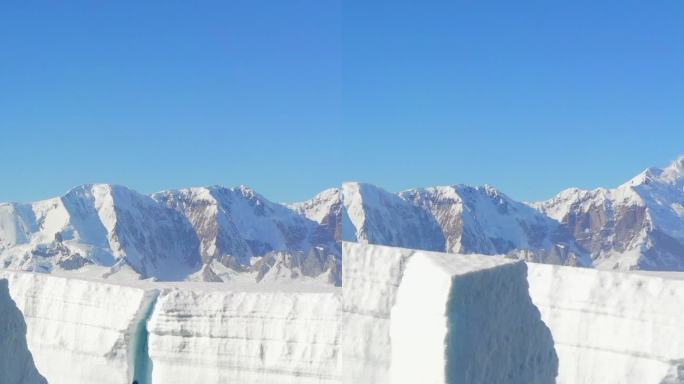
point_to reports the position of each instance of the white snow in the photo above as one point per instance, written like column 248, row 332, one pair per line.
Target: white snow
column 318, row 208
column 379, row 217
column 637, row 225
column 612, row 327
column 169, row 236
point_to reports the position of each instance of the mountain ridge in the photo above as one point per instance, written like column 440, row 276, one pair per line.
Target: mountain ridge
column 169, row 235
column 217, row 233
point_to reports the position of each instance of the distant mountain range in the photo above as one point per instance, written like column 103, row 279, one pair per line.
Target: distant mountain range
column 638, row 225
column 217, row 234
column 208, row 234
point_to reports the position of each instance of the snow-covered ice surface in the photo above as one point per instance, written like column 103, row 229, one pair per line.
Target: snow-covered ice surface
column 79, row 331
column 612, row 327
column 424, row 317
column 87, row 330
column 402, row 316
column 245, row 337
column 16, row 362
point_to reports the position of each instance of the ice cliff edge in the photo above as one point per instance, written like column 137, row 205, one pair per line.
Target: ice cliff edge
column 16, row 362
column 425, row 317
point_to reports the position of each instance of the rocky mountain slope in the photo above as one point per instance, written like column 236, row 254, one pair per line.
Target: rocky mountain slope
column 459, row 219
column 207, row 234
column 638, row 225
column 218, row 234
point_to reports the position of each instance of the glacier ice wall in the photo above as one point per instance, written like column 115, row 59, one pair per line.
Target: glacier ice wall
column 80, row 331
column 402, row 316
column 16, row 362
column 245, row 337
column 370, row 278
column 415, row 316
column 89, row 331
column 477, row 324
column 612, row 327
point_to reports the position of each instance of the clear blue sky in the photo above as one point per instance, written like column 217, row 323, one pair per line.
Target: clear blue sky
column 291, row 97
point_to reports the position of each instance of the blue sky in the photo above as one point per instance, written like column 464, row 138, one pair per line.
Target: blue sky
column 291, row 97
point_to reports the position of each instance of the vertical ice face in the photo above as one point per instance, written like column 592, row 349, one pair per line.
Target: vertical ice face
column 246, row 337
column 612, row 327
column 468, row 319
column 16, row 362
column 80, row 331
column 402, row 316
column 87, row 331
column 425, row 317
column 370, row 278
column 139, row 351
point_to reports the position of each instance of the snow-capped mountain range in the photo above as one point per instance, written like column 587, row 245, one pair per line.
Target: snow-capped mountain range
column 208, row 234
column 218, row 234
column 638, row 225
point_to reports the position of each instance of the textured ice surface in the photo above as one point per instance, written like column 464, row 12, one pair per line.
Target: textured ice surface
column 79, row 331
column 425, row 317
column 612, row 327
column 245, row 337
column 16, row 362
column 93, row 331
column 411, row 316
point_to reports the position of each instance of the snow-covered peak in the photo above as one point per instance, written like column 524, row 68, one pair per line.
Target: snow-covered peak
column 247, row 192
column 236, row 225
column 320, row 207
column 481, row 219
column 381, row 217
column 639, row 224
column 357, row 192
column 98, row 224
column 558, row 206
column 673, row 174
column 169, row 235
